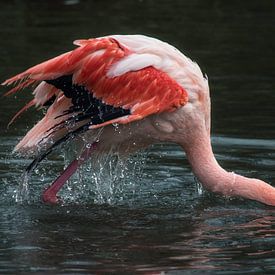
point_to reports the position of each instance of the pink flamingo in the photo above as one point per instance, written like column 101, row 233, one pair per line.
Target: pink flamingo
column 127, row 92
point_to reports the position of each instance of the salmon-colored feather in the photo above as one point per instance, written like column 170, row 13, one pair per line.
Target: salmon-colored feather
column 26, row 107
column 43, row 92
column 137, row 87
column 144, row 92
column 20, row 86
column 41, row 129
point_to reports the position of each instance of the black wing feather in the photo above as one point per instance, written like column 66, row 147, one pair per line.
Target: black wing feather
column 84, row 107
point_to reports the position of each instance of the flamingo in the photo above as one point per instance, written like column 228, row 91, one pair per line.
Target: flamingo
column 126, row 92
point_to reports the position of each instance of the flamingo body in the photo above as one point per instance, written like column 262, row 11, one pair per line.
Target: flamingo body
column 150, row 89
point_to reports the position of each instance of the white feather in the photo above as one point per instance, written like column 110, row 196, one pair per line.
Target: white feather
column 133, row 62
column 148, row 51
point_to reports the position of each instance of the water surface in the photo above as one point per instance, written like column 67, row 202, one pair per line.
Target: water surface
column 155, row 219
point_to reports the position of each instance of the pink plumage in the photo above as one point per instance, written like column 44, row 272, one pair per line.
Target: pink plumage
column 150, row 89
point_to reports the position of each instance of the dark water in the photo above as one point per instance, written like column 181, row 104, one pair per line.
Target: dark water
column 158, row 219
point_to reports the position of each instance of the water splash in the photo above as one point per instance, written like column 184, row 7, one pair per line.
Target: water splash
column 116, row 177
column 22, row 192
column 200, row 189
column 105, row 178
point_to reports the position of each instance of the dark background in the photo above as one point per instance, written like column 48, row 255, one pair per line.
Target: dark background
column 233, row 42
column 163, row 221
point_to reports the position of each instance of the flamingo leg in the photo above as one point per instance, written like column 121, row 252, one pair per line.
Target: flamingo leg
column 50, row 194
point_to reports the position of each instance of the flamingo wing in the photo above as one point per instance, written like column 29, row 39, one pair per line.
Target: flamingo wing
column 99, row 83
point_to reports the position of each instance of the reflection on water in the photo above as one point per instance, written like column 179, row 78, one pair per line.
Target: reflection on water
column 107, row 239
column 148, row 220
column 164, row 226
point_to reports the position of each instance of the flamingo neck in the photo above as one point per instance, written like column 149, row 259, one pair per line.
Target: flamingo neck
column 214, row 178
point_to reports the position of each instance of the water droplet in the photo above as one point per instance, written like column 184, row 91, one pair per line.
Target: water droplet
column 22, row 193
column 88, row 145
column 199, row 186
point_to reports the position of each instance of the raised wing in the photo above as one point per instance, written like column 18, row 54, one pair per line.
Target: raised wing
column 81, row 90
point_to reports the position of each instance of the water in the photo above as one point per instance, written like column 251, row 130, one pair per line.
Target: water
column 158, row 220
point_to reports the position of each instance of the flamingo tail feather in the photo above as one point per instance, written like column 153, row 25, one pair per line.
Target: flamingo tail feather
column 26, row 107
column 69, row 135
